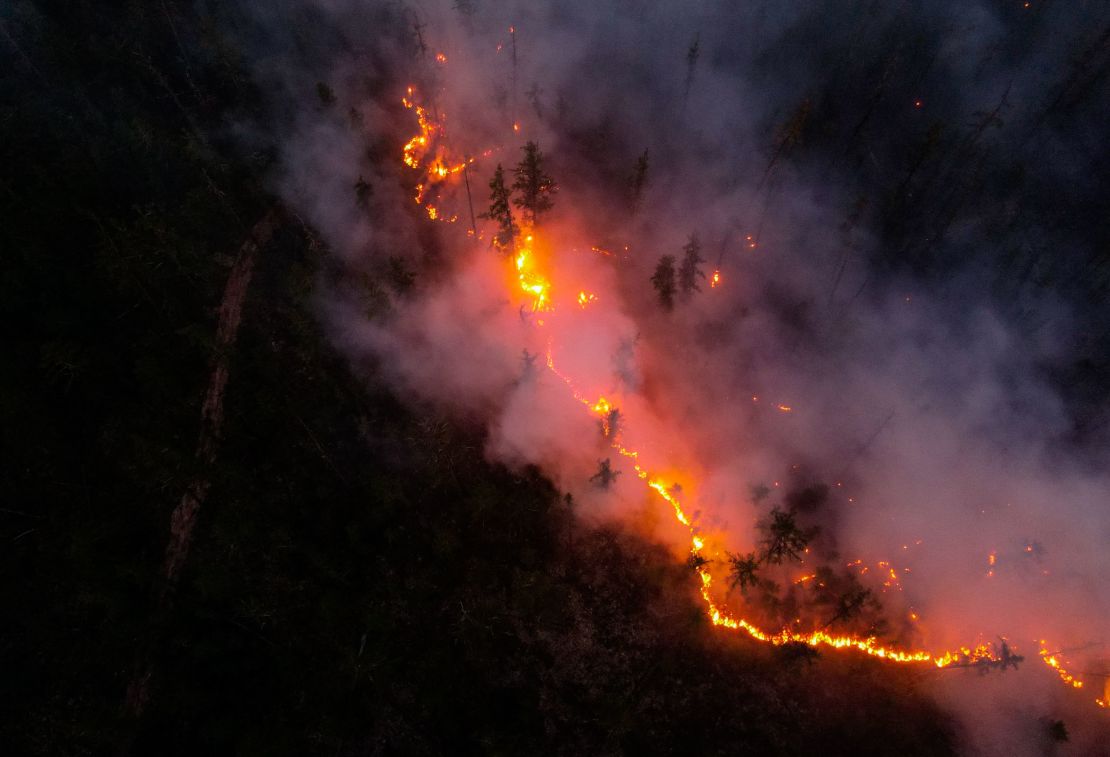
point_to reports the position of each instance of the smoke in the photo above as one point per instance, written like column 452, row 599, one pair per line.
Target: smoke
column 900, row 201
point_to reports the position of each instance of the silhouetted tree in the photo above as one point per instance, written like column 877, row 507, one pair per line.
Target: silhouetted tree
column 499, row 210
column 692, row 54
column 783, row 538
column 688, row 271
column 610, row 424
column 664, row 281
column 638, row 182
column 528, row 361
column 696, row 561
column 743, row 571
column 535, row 186
column 605, row 475
column 850, row 604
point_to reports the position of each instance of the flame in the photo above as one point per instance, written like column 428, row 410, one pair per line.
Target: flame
column 715, row 279
column 441, row 58
column 532, row 283
column 1051, row 661
column 416, row 153
column 537, row 288
column 417, row 147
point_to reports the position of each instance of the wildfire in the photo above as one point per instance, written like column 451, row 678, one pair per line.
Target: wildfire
column 416, row 154
column 416, row 147
column 537, row 288
column 532, row 283
column 1051, row 661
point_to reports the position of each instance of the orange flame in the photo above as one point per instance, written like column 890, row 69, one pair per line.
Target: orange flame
column 538, row 289
column 533, row 284
column 1051, row 661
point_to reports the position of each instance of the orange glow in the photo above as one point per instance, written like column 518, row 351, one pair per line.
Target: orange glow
column 1051, row 661
column 441, row 58
column 425, row 152
column 532, row 283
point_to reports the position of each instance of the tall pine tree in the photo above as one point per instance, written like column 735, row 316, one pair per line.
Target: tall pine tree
column 663, row 281
column 500, row 211
column 688, row 271
column 535, row 186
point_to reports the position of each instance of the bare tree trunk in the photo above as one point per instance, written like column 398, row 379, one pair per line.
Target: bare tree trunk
column 184, row 517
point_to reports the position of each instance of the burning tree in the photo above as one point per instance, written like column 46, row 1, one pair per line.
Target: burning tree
column 499, row 210
column 696, row 561
column 688, row 271
column 535, row 186
column 664, row 281
column 611, row 423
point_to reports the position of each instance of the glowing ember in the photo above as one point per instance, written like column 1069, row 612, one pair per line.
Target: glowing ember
column 1051, row 661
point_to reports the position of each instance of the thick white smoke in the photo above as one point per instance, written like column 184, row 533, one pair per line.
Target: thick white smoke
column 921, row 401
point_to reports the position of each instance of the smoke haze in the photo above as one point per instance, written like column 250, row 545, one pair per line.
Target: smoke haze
column 906, row 203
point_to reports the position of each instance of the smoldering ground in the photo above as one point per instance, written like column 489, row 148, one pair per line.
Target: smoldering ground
column 906, row 203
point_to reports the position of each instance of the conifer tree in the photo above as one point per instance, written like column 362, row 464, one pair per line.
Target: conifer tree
column 743, row 570
column 688, row 271
column 664, row 281
column 783, row 538
column 638, row 182
column 499, row 210
column 535, row 186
